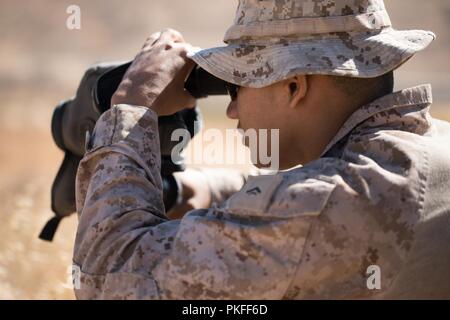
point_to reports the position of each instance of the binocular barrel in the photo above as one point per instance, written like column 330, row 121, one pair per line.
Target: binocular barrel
column 200, row 84
column 78, row 115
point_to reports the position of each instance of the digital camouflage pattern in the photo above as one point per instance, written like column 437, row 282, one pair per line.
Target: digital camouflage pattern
column 272, row 40
column 379, row 195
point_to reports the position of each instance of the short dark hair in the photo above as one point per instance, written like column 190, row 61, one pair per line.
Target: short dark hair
column 365, row 90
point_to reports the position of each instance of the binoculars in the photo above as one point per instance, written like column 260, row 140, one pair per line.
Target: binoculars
column 74, row 118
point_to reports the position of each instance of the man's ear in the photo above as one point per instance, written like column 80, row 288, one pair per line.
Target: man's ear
column 298, row 87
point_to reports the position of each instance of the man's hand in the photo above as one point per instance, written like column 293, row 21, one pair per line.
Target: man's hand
column 195, row 193
column 157, row 76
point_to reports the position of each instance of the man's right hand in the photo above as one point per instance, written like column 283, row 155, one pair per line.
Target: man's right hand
column 157, row 76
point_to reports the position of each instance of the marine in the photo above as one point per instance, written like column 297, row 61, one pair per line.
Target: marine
column 363, row 179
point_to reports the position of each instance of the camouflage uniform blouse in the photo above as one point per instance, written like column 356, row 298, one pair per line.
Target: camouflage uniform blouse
column 379, row 195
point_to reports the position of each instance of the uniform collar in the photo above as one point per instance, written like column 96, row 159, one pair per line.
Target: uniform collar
column 419, row 98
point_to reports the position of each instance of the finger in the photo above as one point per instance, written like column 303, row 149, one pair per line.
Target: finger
column 151, row 40
column 186, row 50
column 186, row 65
column 192, row 51
column 170, row 35
column 154, row 37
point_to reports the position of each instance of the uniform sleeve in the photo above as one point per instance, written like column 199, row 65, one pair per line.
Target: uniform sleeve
column 127, row 248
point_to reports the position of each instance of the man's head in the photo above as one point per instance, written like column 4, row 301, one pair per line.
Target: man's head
column 308, row 110
column 304, row 66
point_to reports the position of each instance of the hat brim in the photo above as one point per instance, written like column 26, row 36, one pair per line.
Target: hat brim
column 259, row 64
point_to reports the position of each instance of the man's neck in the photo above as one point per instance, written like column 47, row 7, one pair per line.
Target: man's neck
column 325, row 127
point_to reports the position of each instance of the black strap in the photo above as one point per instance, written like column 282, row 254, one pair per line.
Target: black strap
column 50, row 228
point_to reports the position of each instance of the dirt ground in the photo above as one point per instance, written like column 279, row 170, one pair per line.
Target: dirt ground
column 29, row 267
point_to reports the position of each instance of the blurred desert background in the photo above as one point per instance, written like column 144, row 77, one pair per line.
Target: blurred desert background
column 41, row 63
